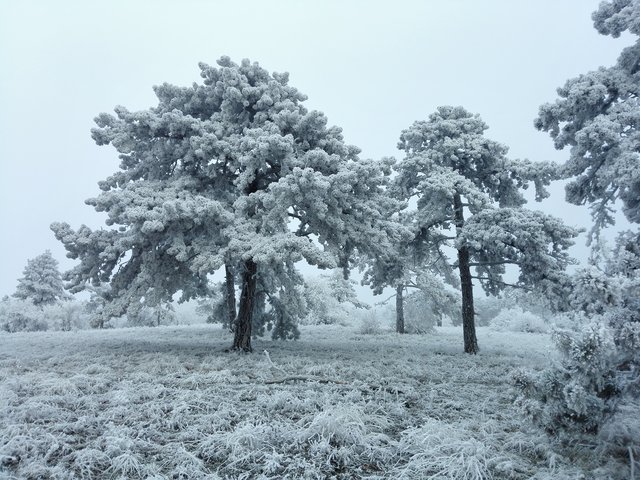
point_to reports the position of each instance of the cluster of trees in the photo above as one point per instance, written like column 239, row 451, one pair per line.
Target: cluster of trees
column 41, row 302
column 236, row 173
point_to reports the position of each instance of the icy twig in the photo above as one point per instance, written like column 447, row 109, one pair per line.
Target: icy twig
column 273, row 365
column 303, row 378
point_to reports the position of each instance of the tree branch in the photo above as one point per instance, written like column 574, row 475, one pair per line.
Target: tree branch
column 501, row 283
column 488, row 264
column 385, row 301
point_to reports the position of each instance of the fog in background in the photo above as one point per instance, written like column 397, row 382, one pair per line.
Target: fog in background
column 372, row 67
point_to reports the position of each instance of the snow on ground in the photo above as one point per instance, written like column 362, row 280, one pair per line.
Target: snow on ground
column 171, row 402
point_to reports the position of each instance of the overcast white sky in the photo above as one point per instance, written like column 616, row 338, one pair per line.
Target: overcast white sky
column 373, row 67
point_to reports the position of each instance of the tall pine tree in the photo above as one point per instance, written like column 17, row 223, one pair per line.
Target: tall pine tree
column 467, row 196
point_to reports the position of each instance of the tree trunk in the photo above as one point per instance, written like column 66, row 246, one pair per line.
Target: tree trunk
column 399, row 309
column 230, row 285
column 466, row 284
column 242, row 331
column 468, row 314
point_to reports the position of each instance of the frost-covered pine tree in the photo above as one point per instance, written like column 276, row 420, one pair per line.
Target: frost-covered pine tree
column 594, row 390
column 231, row 171
column 415, row 263
column 467, row 194
column 41, row 282
column 597, row 116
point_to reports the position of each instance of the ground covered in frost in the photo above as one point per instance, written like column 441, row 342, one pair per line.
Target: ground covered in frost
column 171, row 402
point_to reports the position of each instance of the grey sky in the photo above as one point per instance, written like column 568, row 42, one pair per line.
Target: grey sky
column 372, row 67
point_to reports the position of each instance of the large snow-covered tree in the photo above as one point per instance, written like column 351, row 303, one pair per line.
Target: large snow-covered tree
column 41, row 282
column 468, row 196
column 232, row 171
column 597, row 116
column 595, row 388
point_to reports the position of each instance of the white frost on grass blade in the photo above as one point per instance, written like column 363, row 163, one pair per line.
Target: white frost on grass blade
column 170, row 403
column 438, row 450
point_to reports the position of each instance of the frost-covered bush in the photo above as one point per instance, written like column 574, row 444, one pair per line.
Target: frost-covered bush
column 152, row 316
column 516, row 319
column 324, row 308
column 23, row 316
column 17, row 315
column 370, row 324
column 71, row 315
column 419, row 317
column 594, row 388
column 573, row 395
column 531, row 302
column 597, row 380
column 330, row 300
column 591, row 395
column 566, row 321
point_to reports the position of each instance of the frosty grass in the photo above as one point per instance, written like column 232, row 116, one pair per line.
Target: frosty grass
column 170, row 402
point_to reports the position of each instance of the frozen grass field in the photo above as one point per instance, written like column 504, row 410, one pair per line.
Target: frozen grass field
column 170, row 402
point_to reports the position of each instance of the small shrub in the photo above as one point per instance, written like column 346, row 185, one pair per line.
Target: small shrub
column 330, row 300
column 517, row 320
column 21, row 316
column 370, row 324
column 67, row 316
column 420, row 316
column 592, row 392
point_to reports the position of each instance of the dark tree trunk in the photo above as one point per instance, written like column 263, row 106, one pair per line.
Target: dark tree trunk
column 242, row 324
column 399, row 309
column 439, row 321
column 468, row 314
column 242, row 331
column 230, row 285
column 466, row 284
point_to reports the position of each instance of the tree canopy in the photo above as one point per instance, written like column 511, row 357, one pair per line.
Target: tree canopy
column 597, row 116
